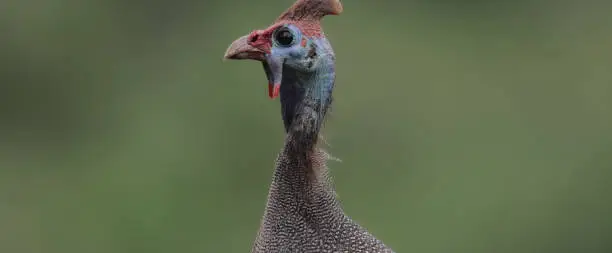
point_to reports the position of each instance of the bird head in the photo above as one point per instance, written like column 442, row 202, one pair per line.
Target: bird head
column 295, row 42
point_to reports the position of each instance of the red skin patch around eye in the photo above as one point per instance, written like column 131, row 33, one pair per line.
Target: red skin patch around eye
column 261, row 39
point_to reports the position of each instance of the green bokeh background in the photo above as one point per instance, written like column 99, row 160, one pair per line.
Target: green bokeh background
column 463, row 126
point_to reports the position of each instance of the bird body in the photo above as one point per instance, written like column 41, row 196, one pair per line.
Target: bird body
column 302, row 214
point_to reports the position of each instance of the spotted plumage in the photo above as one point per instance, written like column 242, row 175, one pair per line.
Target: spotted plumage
column 302, row 214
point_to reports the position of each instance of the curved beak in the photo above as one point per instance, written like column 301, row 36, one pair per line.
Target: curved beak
column 241, row 50
column 273, row 66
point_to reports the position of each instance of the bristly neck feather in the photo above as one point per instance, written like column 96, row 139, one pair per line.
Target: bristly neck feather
column 301, row 190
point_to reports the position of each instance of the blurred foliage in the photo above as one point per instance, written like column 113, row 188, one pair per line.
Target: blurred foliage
column 463, row 126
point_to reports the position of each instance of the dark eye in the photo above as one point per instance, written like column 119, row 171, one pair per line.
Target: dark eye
column 283, row 36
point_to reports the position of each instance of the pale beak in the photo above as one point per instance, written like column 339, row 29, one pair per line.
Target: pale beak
column 241, row 50
column 273, row 66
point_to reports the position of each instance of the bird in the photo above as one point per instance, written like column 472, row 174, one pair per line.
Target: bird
column 302, row 213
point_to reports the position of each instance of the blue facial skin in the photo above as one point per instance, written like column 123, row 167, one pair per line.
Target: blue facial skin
column 307, row 75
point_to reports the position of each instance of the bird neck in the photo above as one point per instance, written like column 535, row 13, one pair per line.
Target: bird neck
column 300, row 176
column 305, row 99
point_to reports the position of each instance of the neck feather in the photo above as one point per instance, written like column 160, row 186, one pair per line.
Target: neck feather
column 301, row 172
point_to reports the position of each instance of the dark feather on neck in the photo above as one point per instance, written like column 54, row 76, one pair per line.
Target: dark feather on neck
column 303, row 108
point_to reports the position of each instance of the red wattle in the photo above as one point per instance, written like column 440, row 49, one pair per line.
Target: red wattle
column 273, row 90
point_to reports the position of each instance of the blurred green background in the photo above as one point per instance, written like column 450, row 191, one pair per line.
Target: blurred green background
column 463, row 126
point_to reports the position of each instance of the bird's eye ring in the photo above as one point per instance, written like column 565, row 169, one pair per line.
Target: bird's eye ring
column 284, row 37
